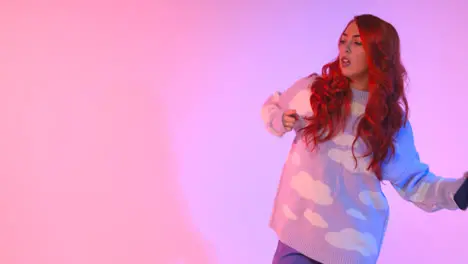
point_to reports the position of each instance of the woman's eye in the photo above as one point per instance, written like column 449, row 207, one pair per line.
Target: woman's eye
column 358, row 43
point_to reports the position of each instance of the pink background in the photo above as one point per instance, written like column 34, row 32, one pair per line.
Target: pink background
column 131, row 132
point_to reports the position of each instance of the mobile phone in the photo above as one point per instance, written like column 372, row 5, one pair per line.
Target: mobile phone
column 461, row 196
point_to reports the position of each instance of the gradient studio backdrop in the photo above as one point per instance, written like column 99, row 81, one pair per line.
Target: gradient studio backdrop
column 131, row 131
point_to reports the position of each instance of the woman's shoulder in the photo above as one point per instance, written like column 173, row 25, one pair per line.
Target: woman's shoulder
column 405, row 136
column 302, row 84
column 308, row 80
column 298, row 95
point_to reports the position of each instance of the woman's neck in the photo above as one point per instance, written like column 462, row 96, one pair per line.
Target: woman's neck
column 361, row 84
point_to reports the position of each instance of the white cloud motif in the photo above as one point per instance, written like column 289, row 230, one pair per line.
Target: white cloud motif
column 295, row 159
column 441, row 180
column 356, row 214
column 357, row 109
column 344, row 139
column 311, row 189
column 300, row 102
column 289, row 213
column 345, row 158
column 353, row 240
column 373, row 199
column 420, row 194
column 315, row 219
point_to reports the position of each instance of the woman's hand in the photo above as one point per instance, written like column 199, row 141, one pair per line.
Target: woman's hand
column 290, row 118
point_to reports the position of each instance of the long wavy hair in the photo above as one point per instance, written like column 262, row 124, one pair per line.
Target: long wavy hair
column 387, row 108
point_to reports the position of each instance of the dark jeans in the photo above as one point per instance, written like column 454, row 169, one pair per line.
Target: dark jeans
column 287, row 255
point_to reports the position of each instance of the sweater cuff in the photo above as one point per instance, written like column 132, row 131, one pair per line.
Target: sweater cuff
column 277, row 122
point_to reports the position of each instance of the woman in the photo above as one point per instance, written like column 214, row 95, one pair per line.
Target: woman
column 352, row 133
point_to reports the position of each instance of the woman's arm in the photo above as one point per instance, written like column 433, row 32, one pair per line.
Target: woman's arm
column 272, row 114
column 296, row 98
column 413, row 179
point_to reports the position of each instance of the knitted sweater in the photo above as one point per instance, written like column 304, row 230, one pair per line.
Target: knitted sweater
column 331, row 210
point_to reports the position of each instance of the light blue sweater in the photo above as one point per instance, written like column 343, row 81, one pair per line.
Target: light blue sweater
column 327, row 208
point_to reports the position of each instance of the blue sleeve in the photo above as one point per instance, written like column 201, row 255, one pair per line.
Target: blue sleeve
column 413, row 179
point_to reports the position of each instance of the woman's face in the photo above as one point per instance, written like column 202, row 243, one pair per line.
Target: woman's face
column 353, row 60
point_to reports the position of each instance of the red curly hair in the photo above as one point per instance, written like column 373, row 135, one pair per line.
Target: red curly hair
column 387, row 108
